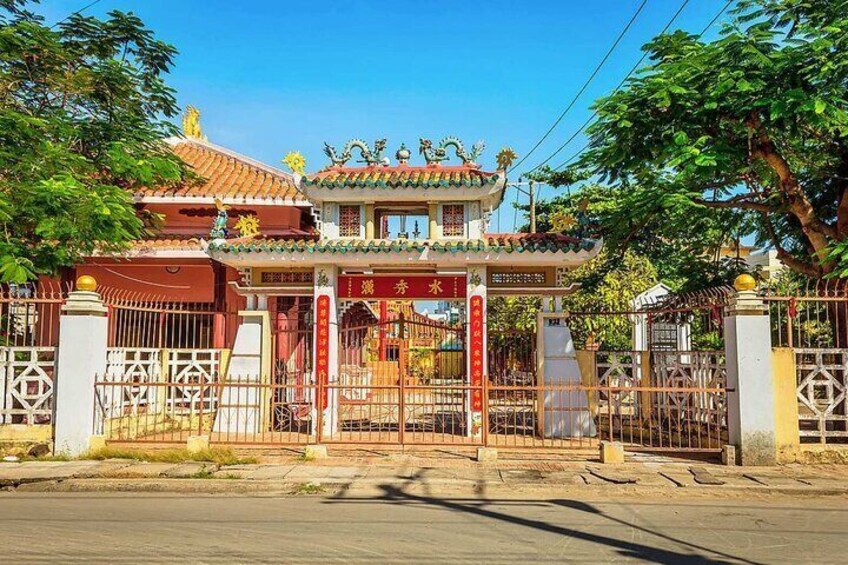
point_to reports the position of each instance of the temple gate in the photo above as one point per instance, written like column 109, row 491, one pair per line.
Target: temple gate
column 397, row 281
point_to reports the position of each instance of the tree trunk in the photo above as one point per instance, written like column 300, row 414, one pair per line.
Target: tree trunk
column 816, row 231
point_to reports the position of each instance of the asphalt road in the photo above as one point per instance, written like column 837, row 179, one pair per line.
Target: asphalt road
column 396, row 527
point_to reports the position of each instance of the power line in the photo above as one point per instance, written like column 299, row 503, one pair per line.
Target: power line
column 715, row 19
column 620, row 84
column 616, row 89
column 80, row 11
column 585, row 84
column 573, row 157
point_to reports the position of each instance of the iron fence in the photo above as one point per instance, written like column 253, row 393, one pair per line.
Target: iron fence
column 29, row 335
column 29, row 314
column 676, row 406
column 812, row 316
column 141, row 320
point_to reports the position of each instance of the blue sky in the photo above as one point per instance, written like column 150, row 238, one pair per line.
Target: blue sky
column 274, row 76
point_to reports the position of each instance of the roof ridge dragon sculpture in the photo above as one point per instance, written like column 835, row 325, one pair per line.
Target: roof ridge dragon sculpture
column 369, row 157
column 435, row 155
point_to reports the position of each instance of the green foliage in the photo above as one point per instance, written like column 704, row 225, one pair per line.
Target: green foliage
column 82, row 119
column 680, row 242
column 608, row 286
column 742, row 135
column 506, row 314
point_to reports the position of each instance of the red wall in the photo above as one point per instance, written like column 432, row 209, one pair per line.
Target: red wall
column 191, row 283
column 187, row 219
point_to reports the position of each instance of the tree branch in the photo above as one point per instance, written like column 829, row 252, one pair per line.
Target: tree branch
column 735, row 202
column 797, row 202
column 798, row 265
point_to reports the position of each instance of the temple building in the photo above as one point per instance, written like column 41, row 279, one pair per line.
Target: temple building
column 171, row 265
column 316, row 285
column 356, row 266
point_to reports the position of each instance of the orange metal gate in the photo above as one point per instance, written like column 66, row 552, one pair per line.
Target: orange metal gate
column 402, row 381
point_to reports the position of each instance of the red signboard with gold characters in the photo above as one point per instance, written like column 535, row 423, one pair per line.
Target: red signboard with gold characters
column 400, row 287
column 322, row 345
column 476, row 350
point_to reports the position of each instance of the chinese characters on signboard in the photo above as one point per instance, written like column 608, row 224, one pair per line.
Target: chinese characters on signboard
column 410, row 287
column 322, row 345
column 476, row 350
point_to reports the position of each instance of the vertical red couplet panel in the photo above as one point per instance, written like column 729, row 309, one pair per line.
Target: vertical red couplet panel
column 476, row 350
column 322, row 346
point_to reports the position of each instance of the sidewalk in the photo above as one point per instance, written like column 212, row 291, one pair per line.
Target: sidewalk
column 385, row 474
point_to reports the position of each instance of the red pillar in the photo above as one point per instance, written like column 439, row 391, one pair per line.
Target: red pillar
column 219, row 331
column 384, row 317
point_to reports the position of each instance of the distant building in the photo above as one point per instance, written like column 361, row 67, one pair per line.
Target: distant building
column 761, row 261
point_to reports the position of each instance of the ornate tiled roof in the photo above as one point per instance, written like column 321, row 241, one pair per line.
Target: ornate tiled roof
column 226, row 175
column 508, row 243
column 402, row 176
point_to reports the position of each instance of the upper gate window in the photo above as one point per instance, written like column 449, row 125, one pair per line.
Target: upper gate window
column 453, row 220
column 350, row 221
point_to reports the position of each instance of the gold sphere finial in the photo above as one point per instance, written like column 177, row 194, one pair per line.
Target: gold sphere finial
column 87, row 283
column 744, row 282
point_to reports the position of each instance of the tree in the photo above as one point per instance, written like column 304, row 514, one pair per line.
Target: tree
column 754, row 123
column 681, row 244
column 608, row 285
column 83, row 110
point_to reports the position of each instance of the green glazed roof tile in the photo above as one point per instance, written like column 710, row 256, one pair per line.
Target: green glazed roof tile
column 401, row 176
column 508, row 243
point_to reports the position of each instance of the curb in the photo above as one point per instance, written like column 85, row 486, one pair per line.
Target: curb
column 335, row 486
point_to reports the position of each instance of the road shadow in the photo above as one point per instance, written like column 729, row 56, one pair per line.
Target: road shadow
column 691, row 554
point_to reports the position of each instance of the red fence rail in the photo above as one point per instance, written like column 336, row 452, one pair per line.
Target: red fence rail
column 644, row 414
column 143, row 320
column 29, row 314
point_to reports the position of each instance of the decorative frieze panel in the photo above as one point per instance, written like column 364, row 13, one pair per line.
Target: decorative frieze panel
column 27, row 384
column 521, row 277
column 282, row 277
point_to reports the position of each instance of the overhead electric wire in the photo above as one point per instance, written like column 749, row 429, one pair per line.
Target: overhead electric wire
column 585, row 85
column 715, row 19
column 80, row 11
column 620, row 84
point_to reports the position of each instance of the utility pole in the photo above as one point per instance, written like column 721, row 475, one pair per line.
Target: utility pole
column 532, row 193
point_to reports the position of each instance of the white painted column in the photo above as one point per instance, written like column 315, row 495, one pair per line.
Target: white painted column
column 245, row 403
column 565, row 411
column 326, row 354
column 750, row 388
column 477, row 359
column 83, row 334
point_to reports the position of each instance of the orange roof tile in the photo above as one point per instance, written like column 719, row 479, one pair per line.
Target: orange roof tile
column 167, row 243
column 226, row 175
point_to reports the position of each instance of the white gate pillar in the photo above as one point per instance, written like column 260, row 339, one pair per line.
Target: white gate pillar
column 751, row 418
column 565, row 409
column 83, row 334
column 245, row 406
column 477, row 359
column 326, row 354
